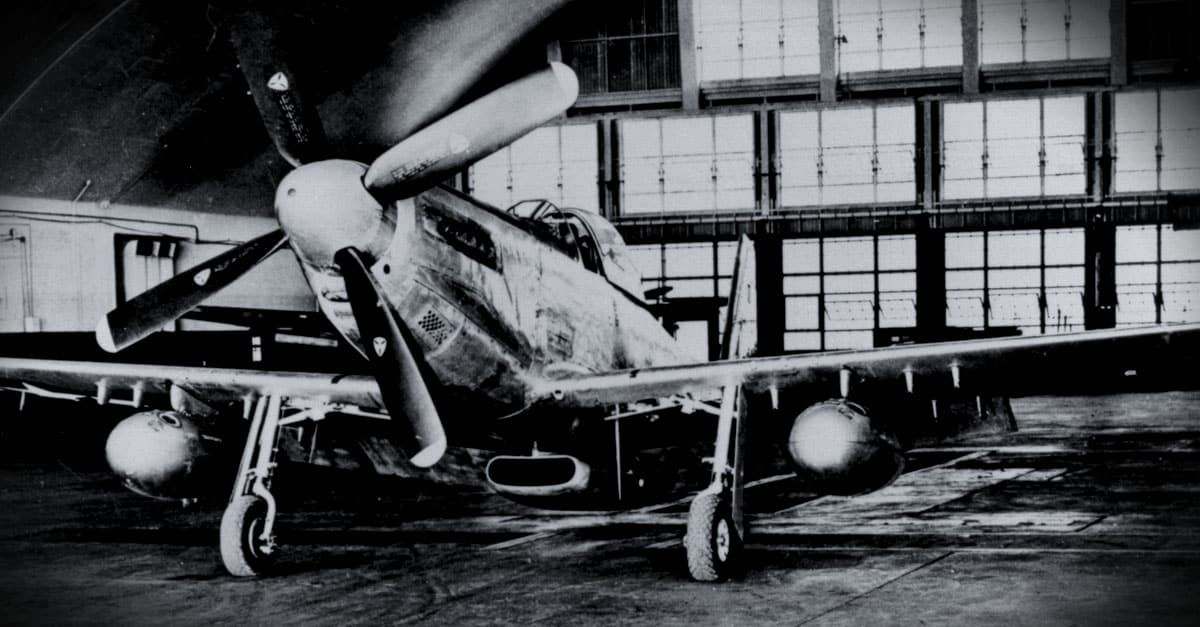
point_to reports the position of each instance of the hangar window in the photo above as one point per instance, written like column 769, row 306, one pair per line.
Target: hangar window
column 1158, row 275
column 1020, row 31
column 890, row 34
column 687, row 164
column 1013, row 148
column 633, row 46
column 557, row 163
column 1157, row 140
column 839, row 290
column 689, row 270
column 847, row 155
column 756, row 39
column 1031, row 280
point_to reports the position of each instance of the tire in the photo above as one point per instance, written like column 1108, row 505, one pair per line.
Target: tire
column 712, row 542
column 242, row 552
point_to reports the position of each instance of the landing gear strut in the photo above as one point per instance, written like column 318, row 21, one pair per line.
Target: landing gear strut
column 715, row 525
column 247, row 526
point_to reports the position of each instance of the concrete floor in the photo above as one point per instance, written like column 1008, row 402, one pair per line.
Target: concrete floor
column 1089, row 515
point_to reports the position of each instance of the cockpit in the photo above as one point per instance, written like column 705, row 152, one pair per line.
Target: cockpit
column 584, row 236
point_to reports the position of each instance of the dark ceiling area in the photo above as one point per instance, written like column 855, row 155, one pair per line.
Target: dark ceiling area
column 147, row 105
column 142, row 103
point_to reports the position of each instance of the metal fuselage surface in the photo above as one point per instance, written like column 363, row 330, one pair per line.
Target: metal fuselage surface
column 493, row 304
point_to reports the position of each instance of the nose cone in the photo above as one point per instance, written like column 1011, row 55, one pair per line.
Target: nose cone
column 324, row 207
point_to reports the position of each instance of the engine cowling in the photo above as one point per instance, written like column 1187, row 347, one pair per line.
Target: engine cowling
column 836, row 447
column 538, row 476
column 156, row 453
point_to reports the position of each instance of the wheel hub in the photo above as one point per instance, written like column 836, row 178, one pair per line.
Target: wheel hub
column 723, row 540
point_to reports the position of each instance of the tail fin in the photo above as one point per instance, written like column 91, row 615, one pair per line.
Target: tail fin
column 741, row 317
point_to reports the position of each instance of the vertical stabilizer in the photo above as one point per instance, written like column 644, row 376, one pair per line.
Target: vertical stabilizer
column 741, row 319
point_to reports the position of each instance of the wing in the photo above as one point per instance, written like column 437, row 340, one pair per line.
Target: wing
column 153, row 384
column 1146, row 358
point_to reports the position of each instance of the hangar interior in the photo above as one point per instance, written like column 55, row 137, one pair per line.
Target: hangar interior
column 925, row 169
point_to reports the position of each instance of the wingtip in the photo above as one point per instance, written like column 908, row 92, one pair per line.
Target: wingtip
column 104, row 336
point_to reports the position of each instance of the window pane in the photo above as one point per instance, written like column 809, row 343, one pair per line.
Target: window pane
column 647, row 259
column 1045, row 35
column 580, row 166
column 1064, row 246
column 1136, row 243
column 897, row 252
column 1064, row 141
column 1000, row 31
column 837, row 340
column 1181, row 138
column 760, row 39
column 943, row 32
column 1135, row 121
column 801, row 46
column 490, row 179
column 688, row 260
column 799, row 145
column 857, row 22
column 962, row 150
column 844, row 254
column 801, row 312
column 1180, row 245
column 801, row 255
column 964, row 250
column 810, row 341
column 1014, row 248
column 1013, row 140
column 1090, row 34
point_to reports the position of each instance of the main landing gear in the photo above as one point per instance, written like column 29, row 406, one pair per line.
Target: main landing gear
column 715, row 526
column 247, row 539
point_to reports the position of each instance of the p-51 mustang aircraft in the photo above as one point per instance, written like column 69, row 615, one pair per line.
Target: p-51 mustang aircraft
column 510, row 329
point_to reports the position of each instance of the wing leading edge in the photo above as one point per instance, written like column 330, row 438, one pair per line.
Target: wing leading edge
column 1012, row 366
column 154, row 382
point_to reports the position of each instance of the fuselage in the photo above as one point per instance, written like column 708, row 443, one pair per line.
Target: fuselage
column 493, row 300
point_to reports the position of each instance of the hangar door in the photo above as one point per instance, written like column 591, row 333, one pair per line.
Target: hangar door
column 14, row 283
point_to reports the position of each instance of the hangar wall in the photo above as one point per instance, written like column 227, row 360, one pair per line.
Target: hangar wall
column 60, row 260
column 1011, row 141
column 909, row 164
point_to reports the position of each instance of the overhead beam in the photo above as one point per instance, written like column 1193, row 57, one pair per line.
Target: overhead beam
column 1118, row 73
column 970, row 46
column 828, row 50
column 689, row 79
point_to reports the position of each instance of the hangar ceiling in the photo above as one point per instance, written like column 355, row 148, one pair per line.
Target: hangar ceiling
column 144, row 99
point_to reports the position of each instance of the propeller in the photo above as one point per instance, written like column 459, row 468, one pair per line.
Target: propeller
column 283, row 102
column 390, row 348
column 472, row 132
column 164, row 303
column 417, row 162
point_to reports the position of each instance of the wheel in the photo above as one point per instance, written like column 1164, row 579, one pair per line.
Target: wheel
column 243, row 552
column 712, row 542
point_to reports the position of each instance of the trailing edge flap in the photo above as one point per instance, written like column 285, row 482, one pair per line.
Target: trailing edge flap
column 741, row 320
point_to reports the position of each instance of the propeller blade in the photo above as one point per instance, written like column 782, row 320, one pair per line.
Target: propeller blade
column 285, row 107
column 389, row 348
column 164, row 303
column 472, row 132
column 441, row 51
